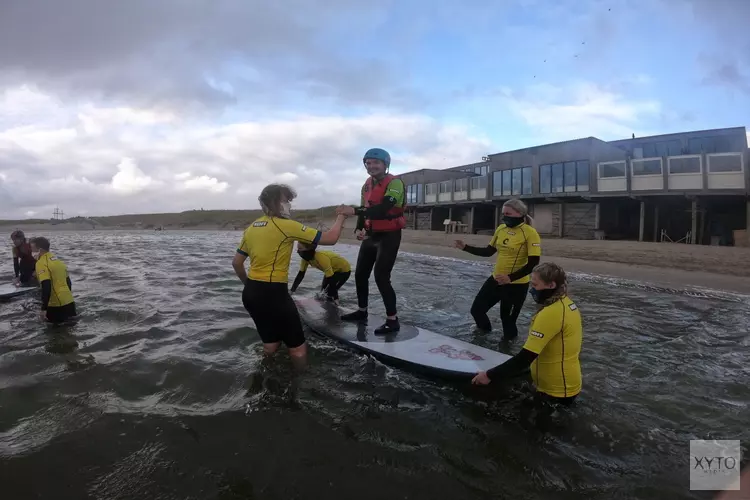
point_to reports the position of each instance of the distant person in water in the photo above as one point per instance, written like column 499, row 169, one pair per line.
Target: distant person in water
column 519, row 249
column 379, row 225
column 23, row 261
column 268, row 243
column 554, row 343
column 336, row 269
column 58, row 304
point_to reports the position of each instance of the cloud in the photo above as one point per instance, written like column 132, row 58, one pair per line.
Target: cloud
column 134, row 160
column 581, row 110
column 198, row 55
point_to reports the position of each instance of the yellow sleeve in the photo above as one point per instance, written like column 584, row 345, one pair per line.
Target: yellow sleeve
column 534, row 244
column 243, row 247
column 493, row 241
column 324, row 263
column 546, row 325
column 298, row 231
column 42, row 272
column 303, row 266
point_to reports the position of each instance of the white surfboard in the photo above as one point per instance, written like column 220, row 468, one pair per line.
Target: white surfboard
column 8, row 290
column 420, row 348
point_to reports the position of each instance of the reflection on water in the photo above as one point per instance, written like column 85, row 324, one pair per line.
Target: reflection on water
column 159, row 390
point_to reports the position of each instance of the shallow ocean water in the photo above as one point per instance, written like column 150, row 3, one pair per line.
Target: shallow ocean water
column 159, row 391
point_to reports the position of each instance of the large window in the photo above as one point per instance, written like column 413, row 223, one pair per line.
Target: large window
column 612, row 170
column 724, row 163
column 430, row 189
column 479, row 183
column 646, row 167
column 461, row 185
column 414, row 194
column 445, row 187
column 513, row 182
column 684, row 165
column 716, row 144
column 570, row 176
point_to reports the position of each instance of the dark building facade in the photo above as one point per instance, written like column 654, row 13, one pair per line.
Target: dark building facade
column 690, row 186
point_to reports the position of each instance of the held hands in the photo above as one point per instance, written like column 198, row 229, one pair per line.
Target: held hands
column 502, row 279
column 17, row 281
column 459, row 244
column 360, row 234
column 345, row 210
column 481, row 378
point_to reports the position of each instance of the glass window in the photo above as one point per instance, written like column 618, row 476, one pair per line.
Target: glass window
column 545, row 179
column 557, row 178
column 507, row 182
column 479, row 182
column 685, row 165
column 612, row 170
column 497, row 183
column 668, row 148
column 646, row 167
column 724, row 163
column 569, row 169
column 420, row 190
column 517, row 181
column 649, row 150
column 582, row 175
column 526, row 188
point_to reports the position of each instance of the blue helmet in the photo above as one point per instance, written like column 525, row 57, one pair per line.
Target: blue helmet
column 378, row 154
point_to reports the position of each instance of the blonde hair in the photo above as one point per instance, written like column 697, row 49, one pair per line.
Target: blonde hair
column 521, row 208
column 549, row 272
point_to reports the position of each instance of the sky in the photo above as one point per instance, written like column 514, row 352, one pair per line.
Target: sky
column 110, row 107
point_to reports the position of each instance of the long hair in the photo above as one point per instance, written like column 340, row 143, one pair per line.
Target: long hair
column 271, row 196
column 521, row 208
column 549, row 272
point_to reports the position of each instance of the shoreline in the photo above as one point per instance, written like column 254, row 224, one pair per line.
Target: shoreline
column 659, row 264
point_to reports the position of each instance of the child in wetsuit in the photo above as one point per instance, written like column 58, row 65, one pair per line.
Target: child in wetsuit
column 58, row 305
column 23, row 261
column 336, row 269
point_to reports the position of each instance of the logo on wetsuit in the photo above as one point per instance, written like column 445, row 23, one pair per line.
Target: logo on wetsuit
column 260, row 224
column 537, row 334
column 505, row 241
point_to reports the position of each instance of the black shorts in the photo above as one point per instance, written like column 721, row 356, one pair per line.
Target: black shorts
column 61, row 314
column 274, row 312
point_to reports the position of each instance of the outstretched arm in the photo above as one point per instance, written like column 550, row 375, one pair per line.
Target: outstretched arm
column 513, row 366
column 297, row 280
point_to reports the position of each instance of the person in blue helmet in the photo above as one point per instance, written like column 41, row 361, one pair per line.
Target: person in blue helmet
column 379, row 225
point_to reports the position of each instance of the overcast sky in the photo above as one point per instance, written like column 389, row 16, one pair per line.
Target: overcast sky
column 111, row 107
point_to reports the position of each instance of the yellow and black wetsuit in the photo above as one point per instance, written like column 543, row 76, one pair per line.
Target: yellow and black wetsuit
column 57, row 295
column 268, row 243
column 519, row 249
column 336, row 270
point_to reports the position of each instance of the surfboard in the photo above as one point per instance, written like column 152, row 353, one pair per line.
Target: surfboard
column 8, row 290
column 416, row 347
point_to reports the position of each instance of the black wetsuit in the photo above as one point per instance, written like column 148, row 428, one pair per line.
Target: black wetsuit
column 24, row 263
column 377, row 252
column 511, row 296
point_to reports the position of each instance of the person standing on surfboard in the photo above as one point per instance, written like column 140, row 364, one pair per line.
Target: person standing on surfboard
column 336, row 269
column 379, row 224
column 519, row 249
column 268, row 243
column 554, row 343
column 24, row 262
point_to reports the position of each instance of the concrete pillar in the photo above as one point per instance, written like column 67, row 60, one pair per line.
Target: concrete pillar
column 598, row 217
column 415, row 214
column 499, row 211
column 656, row 223
column 432, row 219
column 471, row 220
column 561, row 222
column 450, row 213
column 747, row 216
column 694, row 228
column 642, row 223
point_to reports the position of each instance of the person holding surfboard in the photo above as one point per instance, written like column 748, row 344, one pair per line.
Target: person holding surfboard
column 519, row 249
column 379, row 224
column 58, row 305
column 24, row 262
column 268, row 243
column 336, row 269
column 554, row 343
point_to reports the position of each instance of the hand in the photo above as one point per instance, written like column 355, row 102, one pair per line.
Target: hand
column 481, row 378
column 502, row 279
column 459, row 244
column 17, row 282
column 345, row 210
column 43, row 315
column 361, row 234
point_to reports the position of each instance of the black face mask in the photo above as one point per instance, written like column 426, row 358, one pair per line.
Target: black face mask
column 512, row 221
column 307, row 254
column 540, row 296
